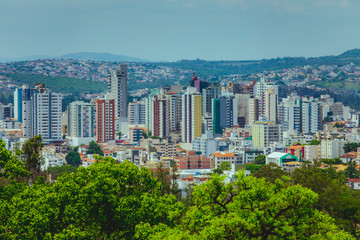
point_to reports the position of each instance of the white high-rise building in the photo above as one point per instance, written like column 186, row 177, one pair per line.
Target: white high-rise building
column 270, row 105
column 253, row 110
column 26, row 109
column 191, row 119
column 149, row 112
column 81, row 119
column 118, row 90
column 310, row 115
column 46, row 113
column 290, row 113
column 259, row 92
column 136, row 112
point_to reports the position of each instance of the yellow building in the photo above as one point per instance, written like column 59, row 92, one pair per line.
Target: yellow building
column 265, row 133
column 191, row 116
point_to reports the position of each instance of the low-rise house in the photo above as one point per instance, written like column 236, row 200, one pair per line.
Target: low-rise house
column 350, row 157
column 291, row 166
column 297, row 151
column 354, row 183
column 220, row 157
column 280, row 158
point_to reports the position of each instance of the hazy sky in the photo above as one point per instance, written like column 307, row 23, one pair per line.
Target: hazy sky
column 180, row 29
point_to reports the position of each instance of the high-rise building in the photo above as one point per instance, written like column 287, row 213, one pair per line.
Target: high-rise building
column 18, row 103
column 223, row 112
column 136, row 112
column 270, row 105
column 105, row 120
column 253, row 110
column 266, row 133
column 81, row 116
column 310, row 115
column 6, row 111
column 216, row 115
column 290, row 113
column 191, row 119
column 45, row 110
column 161, row 117
column 260, row 89
column 212, row 91
column 118, row 90
column 149, row 112
column 27, row 94
column 227, row 111
column 241, row 109
column 198, row 84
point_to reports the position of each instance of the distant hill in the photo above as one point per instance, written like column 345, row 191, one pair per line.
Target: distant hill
column 351, row 54
column 29, row 58
column 104, row 57
column 204, row 68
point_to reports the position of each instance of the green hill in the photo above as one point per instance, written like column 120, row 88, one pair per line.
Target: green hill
column 59, row 84
column 205, row 68
column 351, row 54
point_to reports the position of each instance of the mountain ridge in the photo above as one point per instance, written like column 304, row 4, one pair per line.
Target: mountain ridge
column 92, row 56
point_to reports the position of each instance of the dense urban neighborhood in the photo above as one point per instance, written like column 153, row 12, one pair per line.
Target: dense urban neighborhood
column 285, row 127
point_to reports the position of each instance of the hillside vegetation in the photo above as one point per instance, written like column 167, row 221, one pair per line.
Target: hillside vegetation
column 59, row 84
column 206, row 68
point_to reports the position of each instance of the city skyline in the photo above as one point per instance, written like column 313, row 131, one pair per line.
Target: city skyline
column 172, row 30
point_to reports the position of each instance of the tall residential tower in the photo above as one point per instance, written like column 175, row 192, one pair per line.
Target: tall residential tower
column 118, row 90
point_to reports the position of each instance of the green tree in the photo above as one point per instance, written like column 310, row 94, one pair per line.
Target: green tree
column 32, row 156
column 162, row 175
column 145, row 135
column 224, row 166
column 119, row 134
column 252, row 167
column 174, row 187
column 58, row 171
column 94, row 148
column 351, row 147
column 335, row 198
column 260, row 159
column 103, row 201
column 11, row 168
column 252, row 208
column 315, row 142
column 328, row 119
column 270, row 172
column 73, row 158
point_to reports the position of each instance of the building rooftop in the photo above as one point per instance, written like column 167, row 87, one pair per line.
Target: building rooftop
column 223, row 154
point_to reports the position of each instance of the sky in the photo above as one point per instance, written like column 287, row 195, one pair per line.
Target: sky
column 171, row 30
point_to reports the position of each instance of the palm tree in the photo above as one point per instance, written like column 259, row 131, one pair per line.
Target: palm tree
column 119, row 134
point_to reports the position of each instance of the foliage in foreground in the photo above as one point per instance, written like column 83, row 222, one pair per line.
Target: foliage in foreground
column 121, row 201
column 252, row 208
column 104, row 201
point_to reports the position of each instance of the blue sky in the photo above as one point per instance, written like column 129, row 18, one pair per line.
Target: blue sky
column 180, row 29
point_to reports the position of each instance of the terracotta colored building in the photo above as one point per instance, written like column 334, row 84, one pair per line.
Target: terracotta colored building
column 191, row 160
column 105, row 120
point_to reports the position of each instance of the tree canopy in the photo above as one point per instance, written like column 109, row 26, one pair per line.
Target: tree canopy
column 252, row 208
column 32, row 156
column 73, row 158
column 122, row 201
column 94, row 148
column 103, row 201
column 260, row 159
